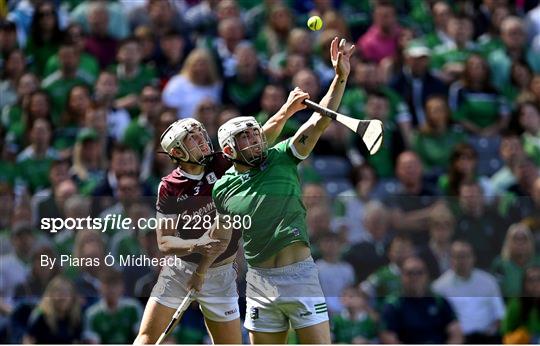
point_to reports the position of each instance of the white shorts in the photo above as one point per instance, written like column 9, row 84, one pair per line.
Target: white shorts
column 278, row 296
column 218, row 298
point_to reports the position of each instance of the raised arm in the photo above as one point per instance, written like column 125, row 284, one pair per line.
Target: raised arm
column 307, row 136
column 273, row 126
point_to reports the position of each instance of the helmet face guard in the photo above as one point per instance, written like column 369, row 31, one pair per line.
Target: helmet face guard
column 198, row 149
column 253, row 155
column 174, row 138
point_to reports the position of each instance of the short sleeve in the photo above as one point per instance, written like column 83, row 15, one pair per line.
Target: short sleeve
column 286, row 147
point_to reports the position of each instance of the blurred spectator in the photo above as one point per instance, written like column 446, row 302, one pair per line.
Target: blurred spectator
column 413, row 199
column 350, row 205
column 98, row 42
column 45, row 36
column 520, row 324
column 298, row 52
column 415, row 83
column 491, row 39
column 510, row 151
column 369, row 254
column 173, row 47
column 436, row 253
column 533, row 219
column 515, row 48
column 89, row 253
column 57, row 319
column 127, row 192
column 307, row 80
column 53, row 207
column 245, row 87
column 14, row 67
column 105, row 92
column 198, row 78
column 35, row 160
column 132, row 76
column 58, row 172
column 207, row 113
column 88, row 66
column 434, row 141
column 381, row 40
column 160, row 16
column 123, row 160
column 473, row 294
column 479, row 224
column 14, row 267
column 318, row 220
column 77, row 102
column 334, row 274
column 76, row 207
column 113, row 319
column 517, row 253
column 367, row 78
column 441, row 12
column 417, row 317
column 140, row 131
column 60, row 82
column 386, row 281
column 357, row 323
column 520, row 79
column 272, row 38
column 463, row 166
column 39, row 276
column 520, row 193
column 117, row 27
column 8, row 39
column 449, row 58
column 475, row 103
column 146, row 39
column 528, row 117
column 12, row 116
column 230, row 34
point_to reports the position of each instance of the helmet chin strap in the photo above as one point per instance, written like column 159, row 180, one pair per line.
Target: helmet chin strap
column 206, row 160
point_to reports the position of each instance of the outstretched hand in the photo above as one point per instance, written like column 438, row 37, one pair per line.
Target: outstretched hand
column 340, row 56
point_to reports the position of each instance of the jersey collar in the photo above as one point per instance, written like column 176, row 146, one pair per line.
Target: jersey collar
column 191, row 176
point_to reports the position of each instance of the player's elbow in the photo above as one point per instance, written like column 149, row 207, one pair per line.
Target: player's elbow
column 164, row 247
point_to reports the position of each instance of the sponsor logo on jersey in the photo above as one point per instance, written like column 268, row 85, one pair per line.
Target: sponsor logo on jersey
column 254, row 313
column 182, row 198
column 211, row 178
column 230, row 312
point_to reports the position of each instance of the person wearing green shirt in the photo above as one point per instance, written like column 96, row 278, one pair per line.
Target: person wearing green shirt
column 131, row 74
column 514, row 48
column 60, row 82
column 475, row 103
column 522, row 318
column 435, row 140
column 263, row 190
column 140, row 131
column 356, row 323
column 113, row 319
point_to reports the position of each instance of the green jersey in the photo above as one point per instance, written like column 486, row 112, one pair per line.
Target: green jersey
column 269, row 198
column 346, row 328
column 114, row 327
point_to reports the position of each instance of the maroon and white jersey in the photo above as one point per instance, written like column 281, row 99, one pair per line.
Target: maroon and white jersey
column 190, row 198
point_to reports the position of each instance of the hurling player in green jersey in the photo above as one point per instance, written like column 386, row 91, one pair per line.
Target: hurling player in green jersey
column 261, row 196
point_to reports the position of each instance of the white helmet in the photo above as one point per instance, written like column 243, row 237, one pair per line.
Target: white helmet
column 226, row 137
column 173, row 137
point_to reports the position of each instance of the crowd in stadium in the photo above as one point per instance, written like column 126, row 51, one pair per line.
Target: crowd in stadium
column 431, row 240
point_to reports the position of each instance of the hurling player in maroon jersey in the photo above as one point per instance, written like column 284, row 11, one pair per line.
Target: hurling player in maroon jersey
column 185, row 197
